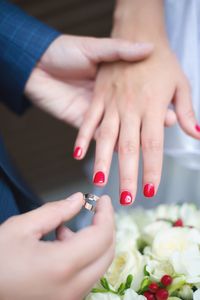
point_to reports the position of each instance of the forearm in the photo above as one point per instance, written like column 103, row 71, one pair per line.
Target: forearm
column 140, row 20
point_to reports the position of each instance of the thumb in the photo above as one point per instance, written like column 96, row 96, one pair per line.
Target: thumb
column 108, row 50
column 184, row 111
column 51, row 215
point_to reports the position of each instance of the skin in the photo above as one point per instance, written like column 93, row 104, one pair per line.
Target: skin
column 131, row 100
column 62, row 83
column 63, row 269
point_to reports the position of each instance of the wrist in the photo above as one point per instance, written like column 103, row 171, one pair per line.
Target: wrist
column 132, row 20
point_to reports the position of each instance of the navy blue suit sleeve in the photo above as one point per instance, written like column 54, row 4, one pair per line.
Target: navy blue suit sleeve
column 23, row 40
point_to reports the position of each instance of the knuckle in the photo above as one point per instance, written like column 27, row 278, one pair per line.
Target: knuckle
column 105, row 132
column 153, row 145
column 82, row 136
column 128, row 181
column 189, row 113
column 154, row 175
column 128, row 147
column 100, row 163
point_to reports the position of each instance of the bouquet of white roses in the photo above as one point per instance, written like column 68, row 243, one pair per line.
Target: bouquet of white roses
column 157, row 256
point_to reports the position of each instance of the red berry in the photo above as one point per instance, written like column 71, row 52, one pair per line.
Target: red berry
column 153, row 287
column 178, row 223
column 162, row 294
column 149, row 296
column 166, row 280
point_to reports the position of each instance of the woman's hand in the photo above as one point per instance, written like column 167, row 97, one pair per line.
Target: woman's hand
column 62, row 82
column 129, row 109
column 63, row 269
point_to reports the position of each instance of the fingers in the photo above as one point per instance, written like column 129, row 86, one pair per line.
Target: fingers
column 128, row 152
column 48, row 217
column 88, row 276
column 63, row 233
column 90, row 243
column 170, row 118
column 185, row 112
column 105, row 143
column 87, row 129
column 152, row 136
column 108, row 50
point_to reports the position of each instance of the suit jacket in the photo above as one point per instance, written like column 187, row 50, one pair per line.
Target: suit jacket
column 23, row 40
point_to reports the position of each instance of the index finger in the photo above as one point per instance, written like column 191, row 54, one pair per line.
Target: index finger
column 92, row 242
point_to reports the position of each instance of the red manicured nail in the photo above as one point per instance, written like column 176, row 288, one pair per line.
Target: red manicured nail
column 149, row 190
column 126, row 198
column 77, row 152
column 99, row 177
column 197, row 127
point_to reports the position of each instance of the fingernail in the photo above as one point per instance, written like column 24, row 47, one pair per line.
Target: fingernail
column 77, row 152
column 197, row 127
column 99, row 177
column 126, row 198
column 149, row 190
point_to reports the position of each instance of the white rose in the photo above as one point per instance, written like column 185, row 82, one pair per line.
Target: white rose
column 142, row 217
column 190, row 215
column 125, row 263
column 170, row 212
column 157, row 269
column 196, row 295
column 187, row 262
column 150, row 231
column 102, row 296
column 174, row 239
column 132, row 295
column 127, row 233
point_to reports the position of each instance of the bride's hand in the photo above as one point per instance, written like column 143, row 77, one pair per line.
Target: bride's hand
column 129, row 109
column 63, row 80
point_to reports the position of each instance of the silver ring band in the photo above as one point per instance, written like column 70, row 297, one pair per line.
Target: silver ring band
column 90, row 197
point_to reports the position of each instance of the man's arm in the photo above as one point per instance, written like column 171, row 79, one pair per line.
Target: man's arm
column 23, row 40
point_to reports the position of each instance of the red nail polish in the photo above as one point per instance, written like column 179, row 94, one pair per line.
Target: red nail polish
column 126, row 198
column 99, row 178
column 77, row 152
column 197, row 127
column 149, row 190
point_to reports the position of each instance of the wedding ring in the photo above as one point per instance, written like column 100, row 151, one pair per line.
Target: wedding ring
column 90, row 197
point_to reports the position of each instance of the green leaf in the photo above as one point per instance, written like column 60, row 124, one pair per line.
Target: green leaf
column 96, row 290
column 104, row 283
column 121, row 289
column 144, row 285
column 129, row 281
column 146, row 273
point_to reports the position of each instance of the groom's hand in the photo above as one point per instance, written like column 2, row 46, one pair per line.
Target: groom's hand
column 65, row 269
column 62, row 82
